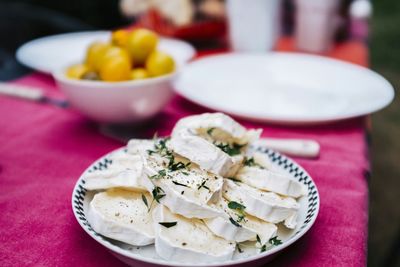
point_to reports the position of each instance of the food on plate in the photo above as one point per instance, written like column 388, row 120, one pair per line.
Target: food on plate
column 125, row 172
column 123, row 215
column 214, row 141
column 210, row 191
column 255, row 175
column 267, row 206
column 188, row 190
column 236, row 225
column 129, row 55
column 182, row 239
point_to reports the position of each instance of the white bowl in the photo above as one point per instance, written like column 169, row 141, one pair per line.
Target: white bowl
column 117, row 102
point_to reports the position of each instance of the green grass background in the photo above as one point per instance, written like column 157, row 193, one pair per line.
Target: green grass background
column 384, row 216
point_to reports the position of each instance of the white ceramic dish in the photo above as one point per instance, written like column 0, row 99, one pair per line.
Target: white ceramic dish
column 52, row 53
column 146, row 256
column 285, row 88
column 117, row 102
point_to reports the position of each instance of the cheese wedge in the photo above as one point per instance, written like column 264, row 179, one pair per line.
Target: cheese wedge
column 239, row 226
column 188, row 240
column 218, row 127
column 125, row 171
column 264, row 205
column 122, row 215
column 258, row 177
column 188, row 191
column 205, row 154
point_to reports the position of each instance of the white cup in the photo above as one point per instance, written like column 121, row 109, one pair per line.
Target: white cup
column 253, row 25
column 316, row 21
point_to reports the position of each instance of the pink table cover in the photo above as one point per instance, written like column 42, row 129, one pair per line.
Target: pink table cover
column 44, row 149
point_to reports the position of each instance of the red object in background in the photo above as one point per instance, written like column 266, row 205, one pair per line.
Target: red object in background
column 198, row 31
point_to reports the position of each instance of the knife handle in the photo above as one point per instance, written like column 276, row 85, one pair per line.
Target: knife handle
column 19, row 91
column 305, row 148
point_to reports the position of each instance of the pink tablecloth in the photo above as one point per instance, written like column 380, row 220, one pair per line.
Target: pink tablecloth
column 44, row 149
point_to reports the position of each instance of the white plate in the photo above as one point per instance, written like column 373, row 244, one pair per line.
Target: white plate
column 51, row 53
column 135, row 256
column 288, row 88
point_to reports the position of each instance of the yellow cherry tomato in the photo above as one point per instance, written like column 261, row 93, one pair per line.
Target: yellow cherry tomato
column 140, row 44
column 94, row 54
column 77, row 71
column 159, row 63
column 115, row 69
column 119, row 38
column 139, row 73
column 114, row 52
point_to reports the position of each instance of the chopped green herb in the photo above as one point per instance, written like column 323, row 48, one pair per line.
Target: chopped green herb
column 239, row 249
column 233, row 179
column 263, row 248
column 176, row 166
column 177, row 183
column 168, row 224
column 239, row 208
column 161, row 174
column 235, row 206
column 158, row 193
column 209, row 131
column 150, row 152
column 250, row 162
column 234, row 222
column 230, row 149
column 258, row 239
column 145, row 202
column 185, row 173
column 275, row 241
column 203, row 186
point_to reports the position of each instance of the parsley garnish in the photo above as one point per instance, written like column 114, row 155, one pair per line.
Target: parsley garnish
column 234, row 222
column 168, row 224
column 230, row 149
column 178, row 183
column 145, row 202
column 233, row 179
column 176, row 166
column 209, row 131
column 250, row 162
column 161, row 174
column 236, row 206
column 275, row 241
column 203, row 185
column 239, row 208
column 158, row 193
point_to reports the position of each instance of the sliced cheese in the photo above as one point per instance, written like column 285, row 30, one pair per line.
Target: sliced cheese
column 264, row 205
column 224, row 128
column 239, row 227
column 189, row 240
column 264, row 179
column 198, row 138
column 189, row 191
column 125, row 171
column 205, row 154
column 122, row 215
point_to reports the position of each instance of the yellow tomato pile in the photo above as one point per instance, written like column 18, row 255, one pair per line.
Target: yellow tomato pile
column 131, row 55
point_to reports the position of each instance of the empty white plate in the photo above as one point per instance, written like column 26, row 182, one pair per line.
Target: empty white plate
column 286, row 88
column 51, row 53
